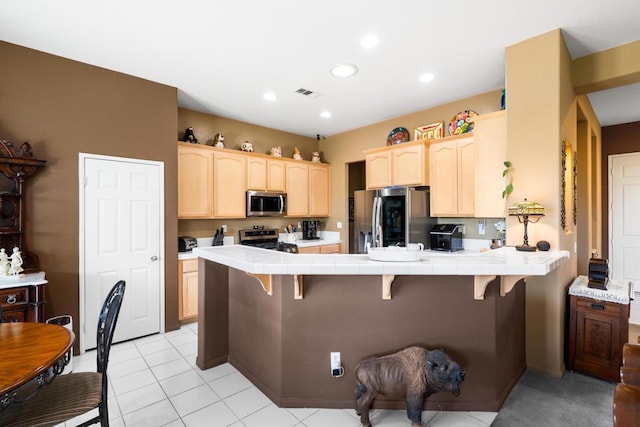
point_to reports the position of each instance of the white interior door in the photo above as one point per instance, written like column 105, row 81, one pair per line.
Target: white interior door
column 121, row 237
column 624, row 226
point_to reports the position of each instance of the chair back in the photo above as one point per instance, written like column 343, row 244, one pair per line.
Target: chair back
column 107, row 325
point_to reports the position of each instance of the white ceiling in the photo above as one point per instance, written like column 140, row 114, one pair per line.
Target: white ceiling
column 224, row 55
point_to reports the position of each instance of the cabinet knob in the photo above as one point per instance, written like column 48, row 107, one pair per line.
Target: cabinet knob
column 11, row 299
column 154, row 258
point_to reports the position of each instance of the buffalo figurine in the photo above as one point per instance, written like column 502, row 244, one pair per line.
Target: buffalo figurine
column 412, row 374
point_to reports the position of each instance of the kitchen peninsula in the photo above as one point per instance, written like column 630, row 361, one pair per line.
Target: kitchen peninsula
column 277, row 316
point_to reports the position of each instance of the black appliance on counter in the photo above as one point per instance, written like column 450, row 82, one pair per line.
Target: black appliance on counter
column 265, row 238
column 310, row 230
column 446, row 237
column 186, row 243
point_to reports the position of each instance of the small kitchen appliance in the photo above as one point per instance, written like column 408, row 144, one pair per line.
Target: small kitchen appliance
column 446, row 237
column 310, row 230
column 186, row 243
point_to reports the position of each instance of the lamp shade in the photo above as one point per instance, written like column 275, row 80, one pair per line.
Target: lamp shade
column 526, row 208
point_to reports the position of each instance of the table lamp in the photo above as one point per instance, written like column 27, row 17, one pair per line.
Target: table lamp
column 526, row 212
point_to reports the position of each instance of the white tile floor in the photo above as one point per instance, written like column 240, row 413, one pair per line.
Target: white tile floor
column 154, row 382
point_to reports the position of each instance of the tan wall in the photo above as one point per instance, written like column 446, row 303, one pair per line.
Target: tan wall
column 235, row 132
column 347, row 147
column 63, row 108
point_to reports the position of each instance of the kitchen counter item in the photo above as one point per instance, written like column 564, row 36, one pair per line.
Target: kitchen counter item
column 186, row 243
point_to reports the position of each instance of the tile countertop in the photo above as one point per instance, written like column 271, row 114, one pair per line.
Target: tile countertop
column 503, row 261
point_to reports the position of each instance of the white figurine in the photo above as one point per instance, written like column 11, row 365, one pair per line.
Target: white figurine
column 16, row 262
column 4, row 263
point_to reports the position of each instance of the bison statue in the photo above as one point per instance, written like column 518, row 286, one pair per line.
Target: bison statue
column 412, row 374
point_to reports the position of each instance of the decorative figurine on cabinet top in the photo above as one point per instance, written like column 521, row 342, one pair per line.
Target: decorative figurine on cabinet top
column 16, row 262
column 218, row 140
column 4, row 263
column 247, row 146
column 276, row 151
column 296, row 153
column 315, row 157
column 189, row 136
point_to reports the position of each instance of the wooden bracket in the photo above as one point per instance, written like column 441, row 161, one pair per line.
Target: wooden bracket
column 387, row 280
column 297, row 286
column 265, row 281
column 480, row 284
column 508, row 282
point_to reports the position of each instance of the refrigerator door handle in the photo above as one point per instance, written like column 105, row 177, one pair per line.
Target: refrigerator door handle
column 377, row 228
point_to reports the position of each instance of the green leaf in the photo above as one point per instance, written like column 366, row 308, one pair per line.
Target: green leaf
column 509, row 188
column 507, row 164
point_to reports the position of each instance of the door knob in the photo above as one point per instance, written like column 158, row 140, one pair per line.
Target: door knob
column 154, row 258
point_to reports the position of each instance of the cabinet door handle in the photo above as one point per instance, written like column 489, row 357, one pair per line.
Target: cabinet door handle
column 11, row 299
column 595, row 306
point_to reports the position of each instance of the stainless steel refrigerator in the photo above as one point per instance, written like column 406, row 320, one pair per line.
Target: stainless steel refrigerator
column 391, row 216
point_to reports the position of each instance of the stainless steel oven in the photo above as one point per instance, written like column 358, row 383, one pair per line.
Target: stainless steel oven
column 266, row 203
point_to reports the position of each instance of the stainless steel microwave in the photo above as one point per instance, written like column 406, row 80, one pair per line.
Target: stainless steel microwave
column 266, row 203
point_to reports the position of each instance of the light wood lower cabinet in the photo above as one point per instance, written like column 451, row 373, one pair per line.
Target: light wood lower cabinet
column 187, row 290
column 321, row 249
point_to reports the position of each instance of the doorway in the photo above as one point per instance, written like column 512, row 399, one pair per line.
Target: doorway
column 121, row 238
column 624, row 227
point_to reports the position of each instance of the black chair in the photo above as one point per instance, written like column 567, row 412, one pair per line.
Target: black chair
column 68, row 396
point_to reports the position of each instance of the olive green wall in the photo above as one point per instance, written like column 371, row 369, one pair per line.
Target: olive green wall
column 63, row 108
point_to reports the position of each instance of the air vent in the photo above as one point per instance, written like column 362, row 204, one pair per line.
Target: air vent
column 308, row 93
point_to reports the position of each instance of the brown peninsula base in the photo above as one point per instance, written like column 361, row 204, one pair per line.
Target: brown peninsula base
column 282, row 344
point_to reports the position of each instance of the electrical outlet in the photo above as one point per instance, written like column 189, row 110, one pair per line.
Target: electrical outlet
column 224, row 228
column 339, row 225
column 335, row 359
column 482, row 224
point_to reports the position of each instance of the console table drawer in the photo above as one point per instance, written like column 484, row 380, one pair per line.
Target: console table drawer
column 13, row 297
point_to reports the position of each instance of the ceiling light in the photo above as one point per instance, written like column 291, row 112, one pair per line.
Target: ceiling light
column 270, row 96
column 427, row 77
column 325, row 114
column 369, row 41
column 344, row 70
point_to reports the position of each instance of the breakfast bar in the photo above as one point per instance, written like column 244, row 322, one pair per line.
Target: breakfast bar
column 277, row 317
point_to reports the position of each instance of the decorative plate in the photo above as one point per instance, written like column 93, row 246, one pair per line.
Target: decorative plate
column 462, row 122
column 398, row 136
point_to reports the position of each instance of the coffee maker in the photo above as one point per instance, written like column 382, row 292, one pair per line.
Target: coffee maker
column 310, row 230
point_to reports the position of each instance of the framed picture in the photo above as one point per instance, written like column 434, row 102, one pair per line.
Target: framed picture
column 430, row 131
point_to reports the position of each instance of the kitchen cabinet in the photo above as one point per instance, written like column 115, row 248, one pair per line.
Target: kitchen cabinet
column 265, row 174
column 187, row 290
column 452, row 176
column 229, row 184
column 320, row 249
column 401, row 164
column 597, row 331
column 195, row 181
column 308, row 189
column 490, row 140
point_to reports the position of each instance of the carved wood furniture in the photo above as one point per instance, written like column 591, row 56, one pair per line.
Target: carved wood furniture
column 16, row 165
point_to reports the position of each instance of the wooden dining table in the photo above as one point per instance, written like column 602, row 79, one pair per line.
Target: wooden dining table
column 27, row 351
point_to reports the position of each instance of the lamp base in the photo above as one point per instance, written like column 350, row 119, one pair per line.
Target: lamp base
column 525, row 248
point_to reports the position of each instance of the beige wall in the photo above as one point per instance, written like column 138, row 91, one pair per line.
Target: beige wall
column 347, row 147
column 63, row 108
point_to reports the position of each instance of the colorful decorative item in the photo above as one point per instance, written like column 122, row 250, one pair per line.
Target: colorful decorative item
column 462, row 122
column 276, row 151
column 398, row 136
column 247, row 146
column 430, row 131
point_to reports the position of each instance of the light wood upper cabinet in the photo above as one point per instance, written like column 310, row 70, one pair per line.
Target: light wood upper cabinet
column 195, row 182
column 319, row 191
column 490, row 138
column 276, row 173
column 229, row 184
column 257, row 173
column 308, row 189
column 401, row 164
column 452, row 176
column 265, row 174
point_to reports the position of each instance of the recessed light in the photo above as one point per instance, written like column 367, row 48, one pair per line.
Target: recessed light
column 270, row 96
column 369, row 41
column 344, row 70
column 427, row 77
column 325, row 114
